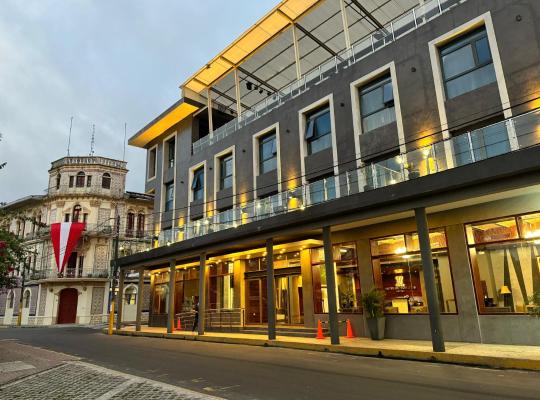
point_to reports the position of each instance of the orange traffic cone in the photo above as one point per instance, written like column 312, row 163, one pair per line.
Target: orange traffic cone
column 350, row 334
column 178, row 325
column 320, row 334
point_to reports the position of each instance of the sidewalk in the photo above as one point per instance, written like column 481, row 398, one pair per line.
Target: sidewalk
column 487, row 355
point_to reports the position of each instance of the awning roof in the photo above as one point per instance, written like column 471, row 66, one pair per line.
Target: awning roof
column 249, row 42
column 174, row 114
column 264, row 54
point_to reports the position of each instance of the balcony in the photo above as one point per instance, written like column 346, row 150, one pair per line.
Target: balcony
column 99, row 272
column 490, row 141
column 89, row 160
column 363, row 48
column 66, row 190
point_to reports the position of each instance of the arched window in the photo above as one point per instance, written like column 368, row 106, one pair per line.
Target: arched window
column 79, row 181
column 58, row 178
column 130, row 226
column 130, row 295
column 76, row 213
column 26, row 299
column 10, row 299
column 140, row 225
column 106, row 181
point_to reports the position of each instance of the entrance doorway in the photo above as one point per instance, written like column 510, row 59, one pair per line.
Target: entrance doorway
column 289, row 300
column 67, row 306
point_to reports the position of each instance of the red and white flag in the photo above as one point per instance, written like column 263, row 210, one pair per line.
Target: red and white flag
column 64, row 238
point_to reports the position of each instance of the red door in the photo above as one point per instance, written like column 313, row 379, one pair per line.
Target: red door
column 67, row 308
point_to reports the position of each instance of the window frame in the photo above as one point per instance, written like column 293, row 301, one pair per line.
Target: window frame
column 262, row 140
column 80, row 179
column 223, row 160
column 168, row 203
column 198, row 184
column 151, row 150
column 171, row 151
column 311, row 117
column 467, row 39
column 106, row 177
column 368, row 87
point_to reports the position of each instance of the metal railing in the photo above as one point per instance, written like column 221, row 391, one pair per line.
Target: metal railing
column 470, row 147
column 215, row 318
column 366, row 46
column 84, row 272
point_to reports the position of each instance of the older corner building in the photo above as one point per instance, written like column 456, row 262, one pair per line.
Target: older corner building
column 80, row 189
column 299, row 168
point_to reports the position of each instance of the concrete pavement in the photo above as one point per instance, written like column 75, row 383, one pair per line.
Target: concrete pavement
column 256, row 372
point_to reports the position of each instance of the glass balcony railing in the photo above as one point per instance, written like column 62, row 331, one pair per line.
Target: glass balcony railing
column 406, row 23
column 506, row 136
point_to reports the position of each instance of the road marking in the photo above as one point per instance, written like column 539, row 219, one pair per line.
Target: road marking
column 14, row 366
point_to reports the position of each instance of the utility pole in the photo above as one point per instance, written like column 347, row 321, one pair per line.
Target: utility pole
column 112, row 297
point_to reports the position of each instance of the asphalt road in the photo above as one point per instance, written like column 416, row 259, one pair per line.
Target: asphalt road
column 248, row 372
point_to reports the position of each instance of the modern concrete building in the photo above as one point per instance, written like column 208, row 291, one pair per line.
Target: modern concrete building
column 80, row 189
column 299, row 167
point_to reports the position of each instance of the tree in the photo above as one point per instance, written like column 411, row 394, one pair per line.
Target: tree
column 12, row 250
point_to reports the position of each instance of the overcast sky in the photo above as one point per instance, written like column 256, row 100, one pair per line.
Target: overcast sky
column 104, row 62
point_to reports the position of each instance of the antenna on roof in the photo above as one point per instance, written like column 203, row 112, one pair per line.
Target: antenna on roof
column 69, row 137
column 125, row 132
column 92, row 142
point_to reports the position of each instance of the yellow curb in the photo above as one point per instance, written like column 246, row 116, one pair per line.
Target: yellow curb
column 414, row 355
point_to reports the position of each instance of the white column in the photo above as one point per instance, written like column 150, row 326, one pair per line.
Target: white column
column 296, row 52
column 209, row 104
column 238, row 95
column 345, row 24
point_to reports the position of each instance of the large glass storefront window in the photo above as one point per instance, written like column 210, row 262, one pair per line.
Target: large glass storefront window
column 160, row 300
column 397, row 269
column 221, row 285
column 347, row 279
column 186, row 290
column 505, row 258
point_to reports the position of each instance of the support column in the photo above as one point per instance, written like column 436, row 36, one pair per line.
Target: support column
column 202, row 292
column 437, row 338
column 345, row 24
column 210, row 120
column 238, row 94
column 331, row 286
column 119, row 299
column 172, row 280
column 140, row 297
column 296, row 52
column 270, row 289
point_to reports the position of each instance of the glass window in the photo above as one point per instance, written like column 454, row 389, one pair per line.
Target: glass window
column 221, row 285
column 186, row 289
column 152, row 158
column 89, row 181
column 467, row 64
column 226, row 172
column 106, row 181
column 170, row 152
column 71, row 179
column 377, row 104
column 318, row 131
column 197, row 185
column 267, row 153
column 79, row 181
column 398, row 270
column 76, row 213
column 58, row 178
column 506, row 263
column 26, row 299
column 347, row 279
column 169, row 196
column 322, row 190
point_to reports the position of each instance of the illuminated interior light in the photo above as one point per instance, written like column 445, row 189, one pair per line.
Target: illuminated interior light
column 401, row 250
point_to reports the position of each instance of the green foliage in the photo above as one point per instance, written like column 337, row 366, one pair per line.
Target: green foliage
column 535, row 302
column 373, row 303
column 13, row 252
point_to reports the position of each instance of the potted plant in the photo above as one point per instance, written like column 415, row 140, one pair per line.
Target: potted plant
column 373, row 303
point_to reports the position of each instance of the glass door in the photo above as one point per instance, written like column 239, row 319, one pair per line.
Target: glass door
column 289, row 300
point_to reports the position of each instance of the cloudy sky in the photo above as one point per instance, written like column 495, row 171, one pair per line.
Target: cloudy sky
column 104, row 62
